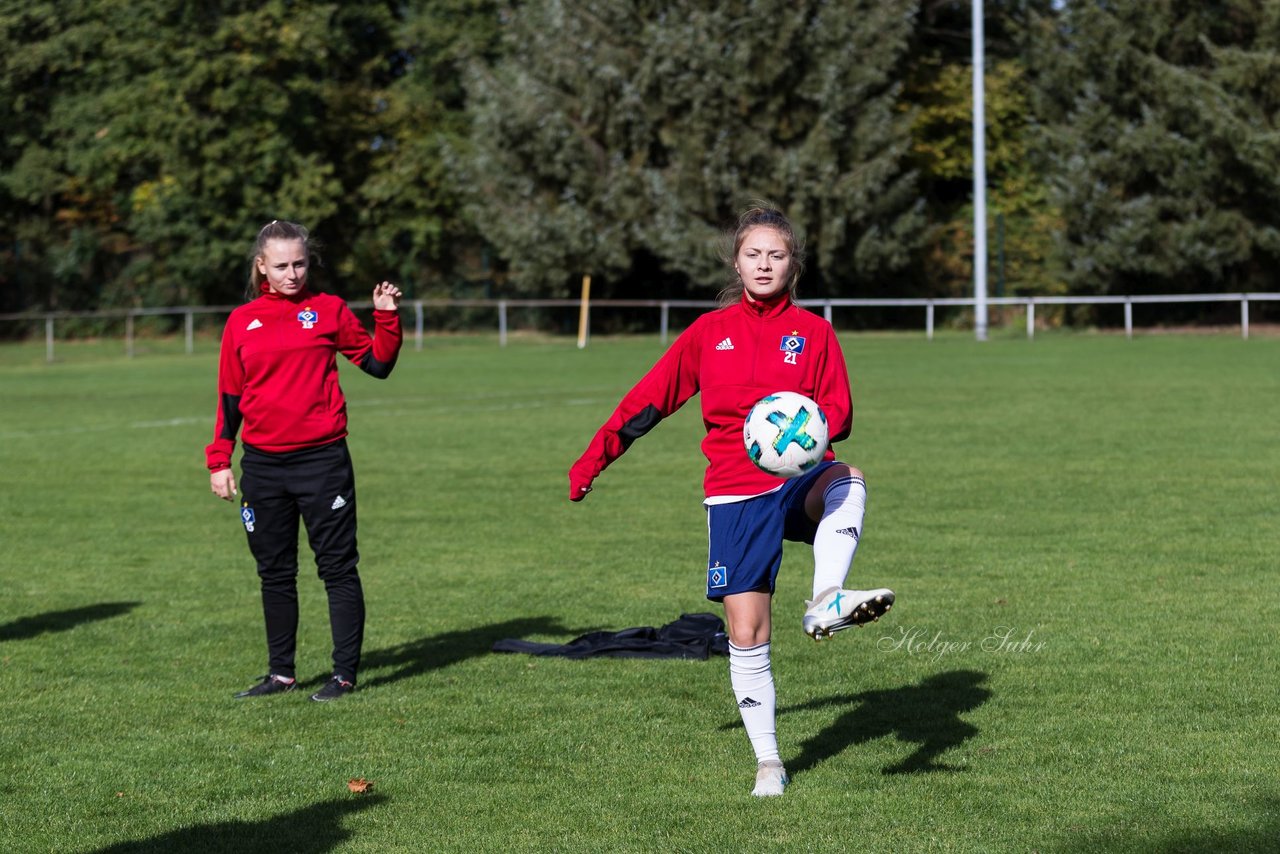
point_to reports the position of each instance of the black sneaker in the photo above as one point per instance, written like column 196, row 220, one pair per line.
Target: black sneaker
column 333, row 689
column 272, row 683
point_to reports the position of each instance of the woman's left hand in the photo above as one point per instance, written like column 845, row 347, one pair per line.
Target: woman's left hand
column 386, row 297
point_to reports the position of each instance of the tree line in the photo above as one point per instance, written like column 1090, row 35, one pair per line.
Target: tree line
column 483, row 148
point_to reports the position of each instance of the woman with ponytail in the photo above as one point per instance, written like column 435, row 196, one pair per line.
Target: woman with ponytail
column 278, row 389
column 758, row 342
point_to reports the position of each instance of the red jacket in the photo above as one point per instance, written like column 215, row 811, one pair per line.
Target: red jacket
column 734, row 356
column 278, row 372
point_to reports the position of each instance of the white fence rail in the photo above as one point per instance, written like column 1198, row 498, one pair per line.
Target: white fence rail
column 420, row 308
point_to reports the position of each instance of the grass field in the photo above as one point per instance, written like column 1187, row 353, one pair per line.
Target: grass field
column 1083, row 533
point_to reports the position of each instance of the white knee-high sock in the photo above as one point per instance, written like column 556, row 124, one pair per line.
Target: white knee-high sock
column 752, row 679
column 844, row 504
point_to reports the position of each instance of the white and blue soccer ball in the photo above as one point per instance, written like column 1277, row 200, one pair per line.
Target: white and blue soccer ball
column 785, row 434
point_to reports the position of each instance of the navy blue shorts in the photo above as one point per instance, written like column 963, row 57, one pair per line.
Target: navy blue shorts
column 744, row 539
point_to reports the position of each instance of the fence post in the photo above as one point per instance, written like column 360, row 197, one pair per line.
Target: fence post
column 502, row 323
column 826, row 311
column 928, row 320
column 128, row 334
column 584, row 313
column 417, row 324
column 48, row 338
column 191, row 332
column 1244, row 317
column 1031, row 319
column 664, row 317
column 1128, row 318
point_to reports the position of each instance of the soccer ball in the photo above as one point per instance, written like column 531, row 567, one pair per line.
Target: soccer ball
column 785, row 434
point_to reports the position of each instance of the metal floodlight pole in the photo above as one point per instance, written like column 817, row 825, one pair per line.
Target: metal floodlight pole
column 979, row 181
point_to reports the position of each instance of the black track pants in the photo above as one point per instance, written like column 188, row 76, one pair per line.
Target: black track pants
column 318, row 485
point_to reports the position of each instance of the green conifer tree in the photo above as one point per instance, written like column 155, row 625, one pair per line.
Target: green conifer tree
column 1161, row 124
column 623, row 137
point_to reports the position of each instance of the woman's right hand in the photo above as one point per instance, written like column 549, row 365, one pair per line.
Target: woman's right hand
column 223, row 484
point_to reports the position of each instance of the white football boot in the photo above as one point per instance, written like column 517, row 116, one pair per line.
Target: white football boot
column 837, row 608
column 771, row 779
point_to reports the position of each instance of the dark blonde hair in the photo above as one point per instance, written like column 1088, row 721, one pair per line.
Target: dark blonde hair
column 275, row 230
column 762, row 215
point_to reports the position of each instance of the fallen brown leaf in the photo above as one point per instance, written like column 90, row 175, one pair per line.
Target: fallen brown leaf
column 359, row 784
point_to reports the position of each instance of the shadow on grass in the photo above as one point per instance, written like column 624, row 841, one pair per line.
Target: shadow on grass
column 1135, row 834
column 61, row 621
column 432, row 653
column 313, row 830
column 927, row 715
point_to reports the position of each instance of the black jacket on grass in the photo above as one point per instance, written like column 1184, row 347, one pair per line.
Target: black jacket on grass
column 697, row 636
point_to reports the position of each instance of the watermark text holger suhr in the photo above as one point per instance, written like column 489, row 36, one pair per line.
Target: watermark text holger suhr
column 1003, row 640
